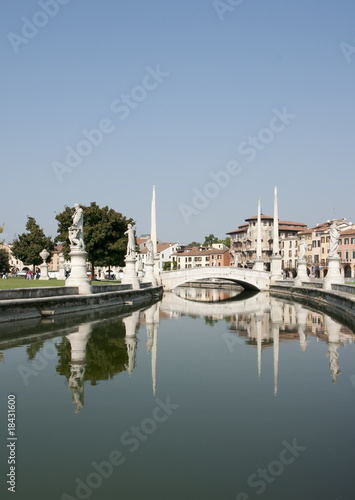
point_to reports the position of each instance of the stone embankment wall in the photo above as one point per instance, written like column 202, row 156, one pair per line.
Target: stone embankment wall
column 44, row 302
column 339, row 302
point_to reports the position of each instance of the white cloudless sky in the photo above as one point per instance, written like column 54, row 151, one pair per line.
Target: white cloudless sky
column 224, row 79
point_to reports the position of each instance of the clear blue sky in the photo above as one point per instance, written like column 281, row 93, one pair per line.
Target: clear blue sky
column 223, row 75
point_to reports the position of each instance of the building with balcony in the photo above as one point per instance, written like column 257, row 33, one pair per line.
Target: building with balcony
column 244, row 241
column 317, row 259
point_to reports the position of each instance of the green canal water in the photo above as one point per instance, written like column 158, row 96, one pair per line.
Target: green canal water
column 206, row 395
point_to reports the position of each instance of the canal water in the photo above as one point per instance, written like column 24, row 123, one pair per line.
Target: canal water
column 207, row 394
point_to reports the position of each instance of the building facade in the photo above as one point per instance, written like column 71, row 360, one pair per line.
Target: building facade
column 244, row 242
column 216, row 256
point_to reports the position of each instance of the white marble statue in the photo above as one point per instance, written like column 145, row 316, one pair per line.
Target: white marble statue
column 334, row 240
column 76, row 230
column 303, row 248
column 131, row 245
column 150, row 247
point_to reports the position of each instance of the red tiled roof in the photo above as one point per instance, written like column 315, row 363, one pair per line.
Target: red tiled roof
column 348, row 232
column 160, row 247
column 262, row 217
column 195, row 251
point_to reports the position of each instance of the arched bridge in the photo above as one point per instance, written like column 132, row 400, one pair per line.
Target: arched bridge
column 247, row 278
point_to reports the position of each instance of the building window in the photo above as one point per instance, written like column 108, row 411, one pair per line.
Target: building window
column 353, row 254
column 322, row 249
column 346, row 241
column 347, row 254
column 353, row 241
column 318, row 243
column 322, row 239
column 340, row 241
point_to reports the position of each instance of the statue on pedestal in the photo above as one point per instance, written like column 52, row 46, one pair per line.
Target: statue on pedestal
column 131, row 245
column 303, row 248
column 334, row 239
column 76, row 230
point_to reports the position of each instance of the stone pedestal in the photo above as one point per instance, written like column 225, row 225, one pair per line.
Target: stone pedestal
column 149, row 276
column 61, row 275
column 333, row 275
column 44, row 271
column 78, row 276
column 302, row 275
column 157, row 269
column 130, row 275
column 275, row 268
column 258, row 265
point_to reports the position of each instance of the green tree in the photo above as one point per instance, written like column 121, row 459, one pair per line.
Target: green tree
column 209, row 240
column 193, row 244
column 226, row 242
column 1, row 230
column 28, row 246
column 167, row 265
column 104, row 238
column 4, row 261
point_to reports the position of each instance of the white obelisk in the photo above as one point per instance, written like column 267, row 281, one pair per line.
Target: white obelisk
column 259, row 261
column 153, row 237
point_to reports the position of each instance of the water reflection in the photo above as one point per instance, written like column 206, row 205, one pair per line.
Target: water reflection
column 99, row 350
column 205, row 293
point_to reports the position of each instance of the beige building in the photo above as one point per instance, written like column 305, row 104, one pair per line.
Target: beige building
column 216, row 256
column 244, row 242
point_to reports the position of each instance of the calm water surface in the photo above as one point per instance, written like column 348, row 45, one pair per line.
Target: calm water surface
column 243, row 397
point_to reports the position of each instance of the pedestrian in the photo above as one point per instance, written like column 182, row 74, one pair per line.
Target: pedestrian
column 29, row 275
column 4, row 274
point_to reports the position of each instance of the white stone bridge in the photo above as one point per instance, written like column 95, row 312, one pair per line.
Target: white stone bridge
column 247, row 278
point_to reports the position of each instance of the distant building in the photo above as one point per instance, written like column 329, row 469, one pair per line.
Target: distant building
column 244, row 239
column 317, row 257
column 215, row 256
column 141, row 241
column 14, row 263
column 165, row 252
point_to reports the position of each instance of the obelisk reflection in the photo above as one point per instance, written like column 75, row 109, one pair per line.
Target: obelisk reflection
column 151, row 324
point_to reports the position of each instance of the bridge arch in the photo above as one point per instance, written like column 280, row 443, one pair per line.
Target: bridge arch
column 247, row 278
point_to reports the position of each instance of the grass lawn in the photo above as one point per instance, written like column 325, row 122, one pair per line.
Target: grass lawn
column 23, row 283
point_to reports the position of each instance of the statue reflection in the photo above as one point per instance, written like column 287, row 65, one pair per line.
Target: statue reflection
column 131, row 323
column 93, row 351
column 333, row 331
column 78, row 342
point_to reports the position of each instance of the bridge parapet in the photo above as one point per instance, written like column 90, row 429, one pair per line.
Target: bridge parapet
column 247, row 278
